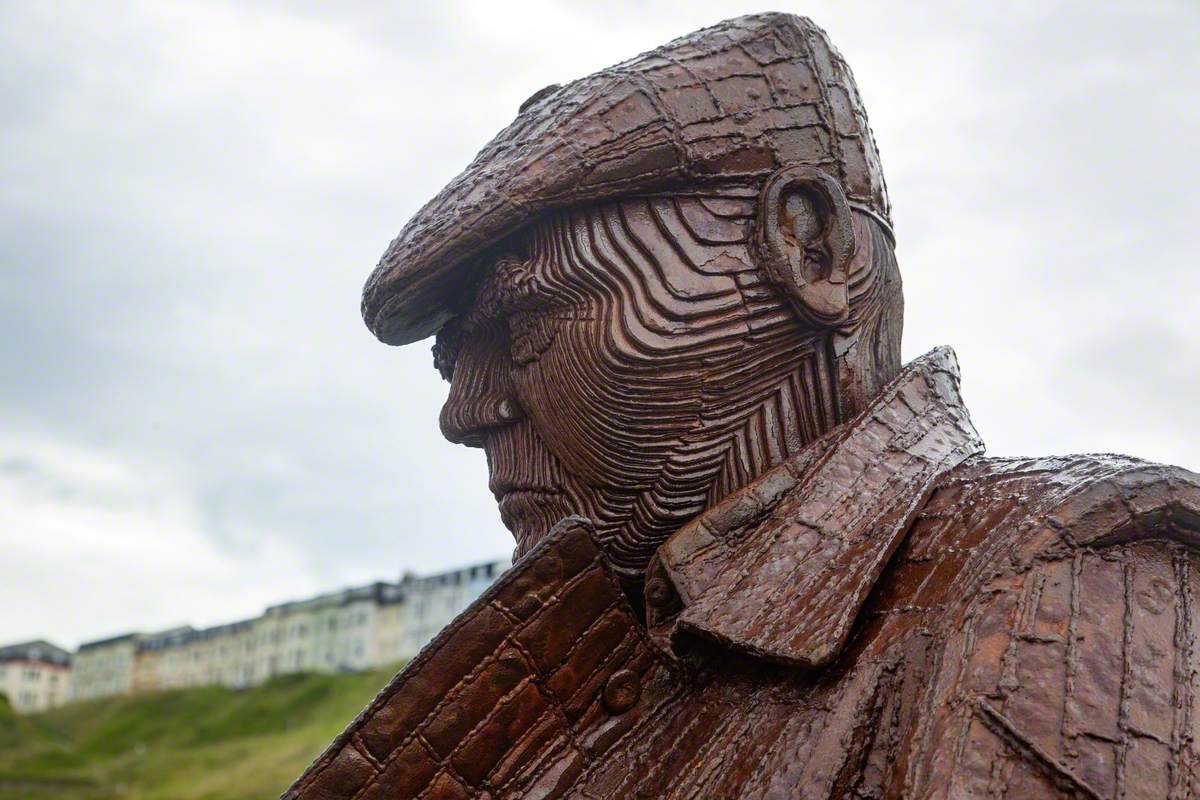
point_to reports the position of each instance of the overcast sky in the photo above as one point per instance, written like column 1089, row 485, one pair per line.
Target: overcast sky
column 194, row 421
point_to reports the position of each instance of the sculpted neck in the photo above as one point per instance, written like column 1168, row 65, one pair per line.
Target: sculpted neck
column 806, row 389
column 824, row 390
column 786, row 386
column 792, row 411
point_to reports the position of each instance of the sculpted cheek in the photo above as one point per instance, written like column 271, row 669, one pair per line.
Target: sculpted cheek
column 591, row 409
column 616, row 381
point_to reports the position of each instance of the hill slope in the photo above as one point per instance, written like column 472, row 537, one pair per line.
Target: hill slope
column 194, row 744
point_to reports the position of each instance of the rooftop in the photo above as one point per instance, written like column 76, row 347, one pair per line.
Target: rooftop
column 108, row 642
column 37, row 650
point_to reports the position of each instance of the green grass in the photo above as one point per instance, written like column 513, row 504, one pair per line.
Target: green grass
column 194, row 744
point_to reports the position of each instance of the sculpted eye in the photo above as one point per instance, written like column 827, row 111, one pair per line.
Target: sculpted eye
column 445, row 349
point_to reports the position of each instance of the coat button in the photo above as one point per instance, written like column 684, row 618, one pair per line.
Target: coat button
column 658, row 593
column 622, row 691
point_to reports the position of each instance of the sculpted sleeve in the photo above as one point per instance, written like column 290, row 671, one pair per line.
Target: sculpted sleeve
column 1073, row 669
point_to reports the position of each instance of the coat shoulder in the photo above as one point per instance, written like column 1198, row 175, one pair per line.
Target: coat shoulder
column 1066, row 660
column 1078, row 501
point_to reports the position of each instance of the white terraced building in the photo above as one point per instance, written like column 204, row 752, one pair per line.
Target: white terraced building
column 354, row 629
column 35, row 676
column 104, row 667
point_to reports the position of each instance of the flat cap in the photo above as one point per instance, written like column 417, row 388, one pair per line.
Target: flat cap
column 733, row 102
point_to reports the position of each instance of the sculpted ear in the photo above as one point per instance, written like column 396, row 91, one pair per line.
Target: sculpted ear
column 805, row 241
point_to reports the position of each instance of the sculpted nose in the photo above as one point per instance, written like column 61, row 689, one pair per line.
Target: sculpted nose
column 480, row 398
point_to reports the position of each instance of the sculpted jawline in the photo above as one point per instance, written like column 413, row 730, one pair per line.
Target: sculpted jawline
column 757, row 556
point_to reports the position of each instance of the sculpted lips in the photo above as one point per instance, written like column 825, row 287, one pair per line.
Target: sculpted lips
column 520, row 500
column 502, row 488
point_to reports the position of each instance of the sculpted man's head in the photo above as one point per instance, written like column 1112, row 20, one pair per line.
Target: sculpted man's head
column 658, row 283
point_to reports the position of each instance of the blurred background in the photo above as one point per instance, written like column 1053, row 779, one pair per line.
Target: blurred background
column 195, row 424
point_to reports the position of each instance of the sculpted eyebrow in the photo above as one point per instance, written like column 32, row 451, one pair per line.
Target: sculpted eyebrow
column 498, row 292
column 488, row 305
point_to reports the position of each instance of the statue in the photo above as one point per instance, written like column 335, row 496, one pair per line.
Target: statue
column 756, row 555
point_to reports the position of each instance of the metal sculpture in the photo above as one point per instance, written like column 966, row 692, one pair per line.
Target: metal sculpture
column 756, row 555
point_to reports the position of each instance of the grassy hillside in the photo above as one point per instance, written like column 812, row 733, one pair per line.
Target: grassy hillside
column 182, row 745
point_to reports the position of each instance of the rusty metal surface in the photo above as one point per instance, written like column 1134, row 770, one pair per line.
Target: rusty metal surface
column 757, row 557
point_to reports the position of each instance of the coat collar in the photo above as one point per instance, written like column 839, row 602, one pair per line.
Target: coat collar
column 780, row 569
